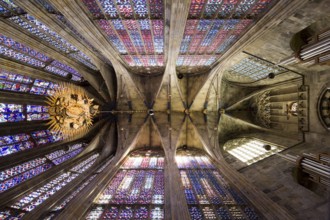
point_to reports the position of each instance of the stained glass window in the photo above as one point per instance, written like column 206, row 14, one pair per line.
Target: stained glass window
column 46, row 137
column 59, row 156
column 214, row 25
column 86, row 164
column 19, row 83
column 104, row 165
column 62, row 204
column 22, row 53
column 250, row 150
column 63, row 70
column 45, row 34
column 134, row 27
column 31, row 200
column 208, row 194
column 14, row 143
column 11, row 112
column 20, row 173
column 8, row 8
column 68, row 198
column 11, row 214
column 136, row 191
column 41, row 87
column 37, row 112
column 15, row 112
column 255, row 68
column 14, row 82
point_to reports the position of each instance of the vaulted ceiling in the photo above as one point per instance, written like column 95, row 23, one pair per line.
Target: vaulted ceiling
column 171, row 57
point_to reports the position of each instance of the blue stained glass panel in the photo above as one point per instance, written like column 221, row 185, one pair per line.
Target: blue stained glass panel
column 109, row 8
column 140, row 8
column 208, row 194
column 37, row 112
column 37, row 197
column 59, row 156
column 20, row 173
column 11, row 112
column 14, row 143
column 19, row 83
column 138, row 184
column 41, row 31
column 11, row 214
column 31, row 200
column 18, row 51
column 46, row 137
column 63, row 70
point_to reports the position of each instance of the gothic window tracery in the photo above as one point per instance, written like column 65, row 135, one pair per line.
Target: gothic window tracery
column 14, row 143
column 134, row 28
column 16, row 112
column 20, row 173
column 32, row 199
column 136, row 191
column 11, row 81
column 22, row 53
column 46, row 137
column 208, row 193
column 17, row 174
column 213, row 26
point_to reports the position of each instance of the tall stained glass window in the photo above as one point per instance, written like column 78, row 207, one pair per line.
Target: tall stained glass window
column 208, row 194
column 135, row 29
column 22, row 53
column 59, row 156
column 19, row 83
column 11, row 113
column 60, row 205
column 16, row 112
column 36, row 112
column 136, row 191
column 32, row 199
column 14, row 143
column 20, row 173
column 41, row 31
column 213, row 26
column 46, row 137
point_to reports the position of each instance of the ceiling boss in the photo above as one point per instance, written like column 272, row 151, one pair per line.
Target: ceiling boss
column 71, row 111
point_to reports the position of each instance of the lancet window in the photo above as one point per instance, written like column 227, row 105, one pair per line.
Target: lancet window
column 16, row 112
column 22, row 53
column 136, row 191
column 213, row 26
column 32, row 199
column 17, row 174
column 10, row 144
column 46, row 137
column 209, row 195
column 134, row 28
column 10, row 81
